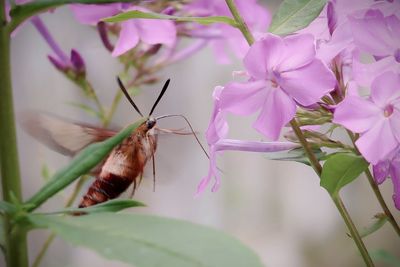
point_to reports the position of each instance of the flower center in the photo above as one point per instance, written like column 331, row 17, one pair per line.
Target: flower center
column 388, row 110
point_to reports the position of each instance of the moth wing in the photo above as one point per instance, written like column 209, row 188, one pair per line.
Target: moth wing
column 61, row 135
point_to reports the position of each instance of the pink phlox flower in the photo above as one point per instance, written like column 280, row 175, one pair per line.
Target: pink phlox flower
column 377, row 118
column 216, row 138
column 149, row 31
column 281, row 78
column 378, row 36
column 390, row 168
column 222, row 37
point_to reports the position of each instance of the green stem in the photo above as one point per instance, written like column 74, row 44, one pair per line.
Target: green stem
column 16, row 248
column 376, row 190
column 241, row 24
column 353, row 230
column 313, row 160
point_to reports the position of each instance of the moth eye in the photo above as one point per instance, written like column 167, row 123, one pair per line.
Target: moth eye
column 150, row 124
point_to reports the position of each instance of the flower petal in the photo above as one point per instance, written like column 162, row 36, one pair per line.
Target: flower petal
column 243, row 98
column 254, row 146
column 385, row 89
column 293, row 58
column 264, row 55
column 128, row 38
column 308, row 84
column 277, row 111
column 377, row 143
column 381, row 171
column 212, row 172
column 372, row 35
column 364, row 74
column 92, row 14
column 395, row 176
column 357, row 114
column 153, row 31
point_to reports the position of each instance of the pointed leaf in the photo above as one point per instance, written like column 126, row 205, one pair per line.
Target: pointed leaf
column 386, row 257
column 294, row 15
column 135, row 14
column 113, row 205
column 150, row 241
column 297, row 155
column 340, row 170
column 82, row 163
column 377, row 224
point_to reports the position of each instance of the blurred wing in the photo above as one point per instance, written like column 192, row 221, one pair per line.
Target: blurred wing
column 59, row 134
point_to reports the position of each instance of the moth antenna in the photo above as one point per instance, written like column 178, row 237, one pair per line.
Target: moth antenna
column 160, row 96
column 123, row 89
column 191, row 129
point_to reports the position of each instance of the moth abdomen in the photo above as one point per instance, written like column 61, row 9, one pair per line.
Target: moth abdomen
column 105, row 188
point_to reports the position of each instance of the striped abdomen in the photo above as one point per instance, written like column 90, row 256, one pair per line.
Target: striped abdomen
column 123, row 166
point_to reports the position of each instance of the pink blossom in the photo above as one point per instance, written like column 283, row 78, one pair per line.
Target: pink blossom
column 280, row 78
column 222, row 37
column 390, row 168
column 377, row 118
column 148, row 31
column 216, row 137
column 380, row 37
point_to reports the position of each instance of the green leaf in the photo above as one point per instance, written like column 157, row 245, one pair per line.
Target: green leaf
column 296, row 154
column 294, row 15
column 6, row 207
column 150, row 241
column 22, row 12
column 380, row 220
column 340, row 170
column 82, row 163
column 135, row 14
column 113, row 205
column 386, row 257
column 45, row 172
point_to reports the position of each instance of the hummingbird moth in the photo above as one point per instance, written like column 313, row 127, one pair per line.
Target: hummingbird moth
column 123, row 166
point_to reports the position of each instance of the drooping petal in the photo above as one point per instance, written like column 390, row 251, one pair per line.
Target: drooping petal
column 357, row 114
column 212, row 172
column 243, row 98
column 92, row 14
column 128, row 38
column 218, row 127
column 381, row 171
column 385, row 89
column 299, row 51
column 153, row 31
column 308, row 84
column 377, row 143
column 264, row 55
column 277, row 111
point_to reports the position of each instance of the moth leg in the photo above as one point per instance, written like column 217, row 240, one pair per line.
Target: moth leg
column 154, row 173
column 174, row 131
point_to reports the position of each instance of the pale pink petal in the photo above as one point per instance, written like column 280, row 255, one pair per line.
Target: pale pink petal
column 377, row 143
column 277, row 111
column 243, row 98
column 128, row 38
column 212, row 172
column 381, row 171
column 299, row 51
column 153, row 31
column 364, row 74
column 254, row 146
column 395, row 176
column 218, row 127
column 357, row 114
column 263, row 56
column 92, row 14
column 372, row 35
column 308, row 84
column 395, row 122
column 385, row 89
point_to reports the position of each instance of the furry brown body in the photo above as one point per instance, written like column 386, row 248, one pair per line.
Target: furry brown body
column 123, row 166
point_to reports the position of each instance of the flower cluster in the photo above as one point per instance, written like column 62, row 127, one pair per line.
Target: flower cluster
column 346, row 63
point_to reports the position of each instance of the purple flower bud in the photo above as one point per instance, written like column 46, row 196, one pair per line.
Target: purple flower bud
column 102, row 29
column 77, row 62
column 332, row 18
column 169, row 11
